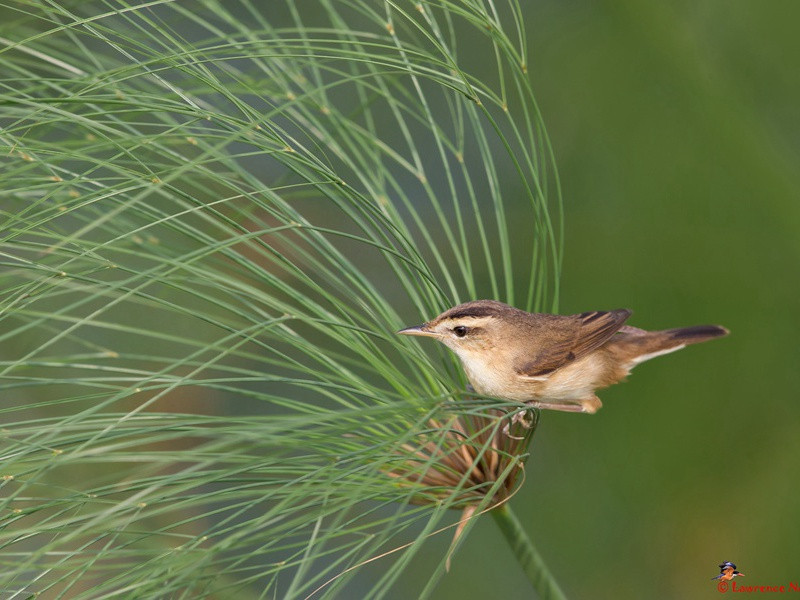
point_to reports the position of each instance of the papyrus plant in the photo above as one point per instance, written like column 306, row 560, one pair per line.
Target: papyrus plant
column 213, row 217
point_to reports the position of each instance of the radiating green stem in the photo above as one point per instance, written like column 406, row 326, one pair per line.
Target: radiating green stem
column 531, row 561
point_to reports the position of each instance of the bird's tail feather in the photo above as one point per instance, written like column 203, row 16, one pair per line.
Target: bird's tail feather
column 695, row 334
column 637, row 346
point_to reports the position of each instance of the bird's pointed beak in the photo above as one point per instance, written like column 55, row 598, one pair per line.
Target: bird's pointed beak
column 421, row 330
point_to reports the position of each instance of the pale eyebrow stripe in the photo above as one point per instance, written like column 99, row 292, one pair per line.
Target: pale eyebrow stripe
column 472, row 320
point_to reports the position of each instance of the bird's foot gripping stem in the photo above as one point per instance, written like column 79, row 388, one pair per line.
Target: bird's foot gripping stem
column 524, row 419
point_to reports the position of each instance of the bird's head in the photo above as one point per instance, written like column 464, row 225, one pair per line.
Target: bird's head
column 472, row 329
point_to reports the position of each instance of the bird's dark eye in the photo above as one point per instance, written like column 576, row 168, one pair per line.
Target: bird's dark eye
column 460, row 331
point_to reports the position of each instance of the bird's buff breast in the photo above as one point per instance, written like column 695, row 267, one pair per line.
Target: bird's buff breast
column 570, row 383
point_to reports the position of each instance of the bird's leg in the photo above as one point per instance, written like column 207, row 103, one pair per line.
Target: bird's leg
column 560, row 406
column 587, row 405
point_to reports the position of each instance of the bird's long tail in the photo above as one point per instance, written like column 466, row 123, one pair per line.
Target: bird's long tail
column 695, row 334
column 637, row 345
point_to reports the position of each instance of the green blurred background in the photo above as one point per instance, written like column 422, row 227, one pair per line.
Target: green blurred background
column 676, row 132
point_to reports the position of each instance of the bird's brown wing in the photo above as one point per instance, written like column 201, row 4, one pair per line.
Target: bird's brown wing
column 566, row 339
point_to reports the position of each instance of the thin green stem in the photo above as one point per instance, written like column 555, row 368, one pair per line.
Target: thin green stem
column 533, row 566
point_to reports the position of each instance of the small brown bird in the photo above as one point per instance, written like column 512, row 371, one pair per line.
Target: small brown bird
column 550, row 361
